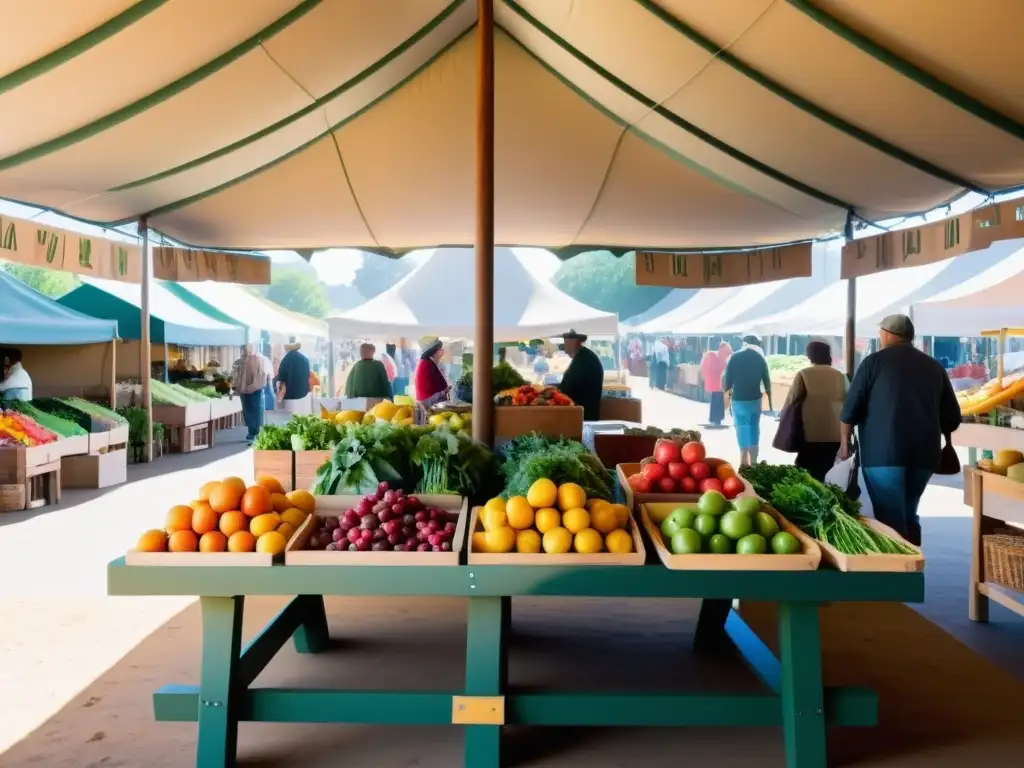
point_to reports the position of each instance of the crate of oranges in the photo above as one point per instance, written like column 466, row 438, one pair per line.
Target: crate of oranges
column 228, row 523
column 554, row 525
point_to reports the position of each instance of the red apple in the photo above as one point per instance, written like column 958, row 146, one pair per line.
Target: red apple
column 700, row 471
column 710, row 484
column 665, row 452
column 693, row 452
column 667, row 485
column 732, row 487
column 653, row 472
column 688, row 485
column 677, row 470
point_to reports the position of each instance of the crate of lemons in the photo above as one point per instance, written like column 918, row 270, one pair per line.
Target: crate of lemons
column 554, row 521
column 227, row 520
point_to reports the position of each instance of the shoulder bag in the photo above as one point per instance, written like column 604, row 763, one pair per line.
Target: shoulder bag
column 789, row 437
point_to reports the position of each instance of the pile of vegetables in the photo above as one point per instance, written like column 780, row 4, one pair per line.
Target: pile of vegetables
column 175, row 394
column 681, row 436
column 18, row 429
column 820, row 510
column 202, row 387
column 530, row 394
column 90, row 416
column 136, row 418
column 503, row 377
column 787, row 364
column 530, row 457
column 62, row 410
column 59, row 426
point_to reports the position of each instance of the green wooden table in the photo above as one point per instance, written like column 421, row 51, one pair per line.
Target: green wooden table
column 793, row 695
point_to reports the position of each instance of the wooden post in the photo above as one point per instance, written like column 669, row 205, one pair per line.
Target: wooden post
column 850, row 338
column 145, row 353
column 113, row 374
column 483, row 338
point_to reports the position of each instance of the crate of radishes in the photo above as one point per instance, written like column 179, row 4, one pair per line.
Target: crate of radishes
column 388, row 527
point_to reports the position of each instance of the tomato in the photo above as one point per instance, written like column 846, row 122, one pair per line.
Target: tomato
column 677, row 470
column 665, row 451
column 688, row 485
column 667, row 484
column 732, row 487
column 654, row 472
column 723, row 471
column 710, row 484
column 699, row 471
column 639, row 483
column 693, row 452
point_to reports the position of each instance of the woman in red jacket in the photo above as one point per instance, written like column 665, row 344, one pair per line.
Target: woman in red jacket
column 712, row 366
column 430, row 384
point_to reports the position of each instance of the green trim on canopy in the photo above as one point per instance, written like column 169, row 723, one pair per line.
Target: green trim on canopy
column 201, row 305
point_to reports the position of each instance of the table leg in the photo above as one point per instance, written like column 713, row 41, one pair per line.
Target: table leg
column 218, row 687
column 710, row 636
column 312, row 636
column 803, row 719
column 486, row 673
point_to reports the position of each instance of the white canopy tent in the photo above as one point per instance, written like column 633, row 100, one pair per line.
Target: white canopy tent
column 255, row 312
column 699, row 304
column 671, row 301
column 436, row 298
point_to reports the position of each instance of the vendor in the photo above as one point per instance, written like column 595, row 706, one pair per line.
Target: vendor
column 368, row 377
column 583, row 380
column 430, row 384
column 16, row 384
column 293, row 380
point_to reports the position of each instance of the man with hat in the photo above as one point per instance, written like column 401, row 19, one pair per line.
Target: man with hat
column 583, row 380
column 293, row 380
column 902, row 403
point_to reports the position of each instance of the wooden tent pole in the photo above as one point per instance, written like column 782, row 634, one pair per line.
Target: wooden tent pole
column 145, row 353
column 113, row 374
column 483, row 338
column 849, row 339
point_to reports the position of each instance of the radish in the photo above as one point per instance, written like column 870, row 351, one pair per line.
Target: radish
column 667, row 485
column 677, row 470
column 337, row 534
column 423, row 547
column 385, row 514
column 654, row 472
column 688, row 485
column 354, row 535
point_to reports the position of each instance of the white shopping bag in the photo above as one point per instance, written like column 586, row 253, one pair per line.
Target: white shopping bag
column 842, row 474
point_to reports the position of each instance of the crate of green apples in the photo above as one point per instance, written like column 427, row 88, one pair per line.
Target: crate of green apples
column 716, row 534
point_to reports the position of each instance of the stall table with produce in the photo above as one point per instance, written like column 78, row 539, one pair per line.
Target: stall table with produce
column 395, row 514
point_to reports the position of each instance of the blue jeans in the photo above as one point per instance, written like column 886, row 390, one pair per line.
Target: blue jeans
column 895, row 493
column 252, row 412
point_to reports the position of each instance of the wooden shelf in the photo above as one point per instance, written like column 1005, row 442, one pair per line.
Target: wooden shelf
column 997, row 501
column 988, row 437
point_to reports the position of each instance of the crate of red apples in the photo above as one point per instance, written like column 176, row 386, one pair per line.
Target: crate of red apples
column 383, row 528
column 677, row 472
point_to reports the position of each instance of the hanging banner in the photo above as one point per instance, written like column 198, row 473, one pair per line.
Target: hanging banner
column 185, row 265
column 722, row 270
column 933, row 242
column 36, row 245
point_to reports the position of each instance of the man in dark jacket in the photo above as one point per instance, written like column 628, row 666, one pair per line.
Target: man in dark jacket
column 902, row 403
column 293, row 381
column 583, row 380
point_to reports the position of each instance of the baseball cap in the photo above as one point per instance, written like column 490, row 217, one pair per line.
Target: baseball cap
column 899, row 325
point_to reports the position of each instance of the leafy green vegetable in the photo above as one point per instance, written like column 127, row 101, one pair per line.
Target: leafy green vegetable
column 56, row 424
column 311, row 433
column 136, row 418
column 504, row 376
column 530, row 457
column 59, row 408
column 272, row 437
column 101, row 416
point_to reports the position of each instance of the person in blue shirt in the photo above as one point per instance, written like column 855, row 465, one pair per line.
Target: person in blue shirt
column 293, row 380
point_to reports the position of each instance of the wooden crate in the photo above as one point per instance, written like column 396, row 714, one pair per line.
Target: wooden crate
column 511, row 421
column 807, row 560
column 27, row 483
column 874, row 562
column 614, row 449
column 195, row 437
column 193, row 559
column 12, row 498
column 119, row 436
column 223, row 408
column 306, row 465
column 98, row 441
column 622, row 409
column 637, row 557
column 100, row 470
column 277, row 464
column 336, row 505
column 73, row 446
column 182, row 416
column 634, row 500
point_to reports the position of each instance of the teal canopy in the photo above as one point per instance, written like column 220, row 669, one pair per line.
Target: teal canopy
column 28, row 317
column 172, row 321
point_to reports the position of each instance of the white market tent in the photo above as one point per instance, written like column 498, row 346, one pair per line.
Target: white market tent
column 256, row 313
column 702, row 302
column 672, row 300
column 436, row 299
column 990, row 299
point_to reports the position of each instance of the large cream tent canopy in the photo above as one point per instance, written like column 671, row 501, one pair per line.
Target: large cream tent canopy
column 620, row 123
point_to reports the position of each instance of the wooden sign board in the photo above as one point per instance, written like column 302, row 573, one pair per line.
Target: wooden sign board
column 722, row 270
column 35, row 245
column 185, row 265
column 929, row 243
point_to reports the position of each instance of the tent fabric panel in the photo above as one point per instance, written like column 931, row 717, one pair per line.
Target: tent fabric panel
column 702, row 302
column 28, row 317
column 243, row 308
column 91, row 301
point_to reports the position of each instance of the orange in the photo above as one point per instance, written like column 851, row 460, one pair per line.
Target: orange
column 272, row 484
column 262, row 524
column 571, row 496
column 207, row 490
column 152, row 541
column 724, row 471
column 226, row 497
column 235, row 482
column 182, row 541
column 241, row 541
column 256, row 501
column 204, row 519
column 179, row 518
column 280, row 502
column 303, row 500
column 232, row 522
column 213, row 541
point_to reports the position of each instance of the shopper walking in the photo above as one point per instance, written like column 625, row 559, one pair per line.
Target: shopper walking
column 818, row 391
column 902, row 405
column 712, row 368
column 293, row 381
column 248, row 378
column 745, row 372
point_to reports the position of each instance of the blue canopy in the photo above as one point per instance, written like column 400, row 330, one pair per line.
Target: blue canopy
column 171, row 320
column 28, row 317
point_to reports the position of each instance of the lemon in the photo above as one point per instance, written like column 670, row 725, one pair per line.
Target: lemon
column 519, row 513
column 619, row 542
column 546, row 519
column 570, row 496
column 480, row 542
column 294, row 517
column 557, row 541
column 496, row 503
column 271, row 543
column 576, row 519
column 604, row 518
column 493, row 518
column 621, row 514
column 501, row 539
column 543, row 493
column 262, row 524
column 287, row 530
column 588, row 541
column 528, row 542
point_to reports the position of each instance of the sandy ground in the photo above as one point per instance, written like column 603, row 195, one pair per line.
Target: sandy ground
column 60, row 632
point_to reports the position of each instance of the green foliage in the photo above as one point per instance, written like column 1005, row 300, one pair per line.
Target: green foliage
column 49, row 282
column 378, row 273
column 300, row 291
column 605, row 282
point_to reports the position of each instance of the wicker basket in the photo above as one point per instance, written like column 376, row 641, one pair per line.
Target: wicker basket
column 1004, row 560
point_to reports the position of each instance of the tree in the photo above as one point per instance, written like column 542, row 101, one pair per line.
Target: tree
column 299, row 291
column 378, row 273
column 605, row 282
column 50, row 282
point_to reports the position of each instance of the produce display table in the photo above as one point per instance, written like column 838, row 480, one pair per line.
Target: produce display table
column 794, row 696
